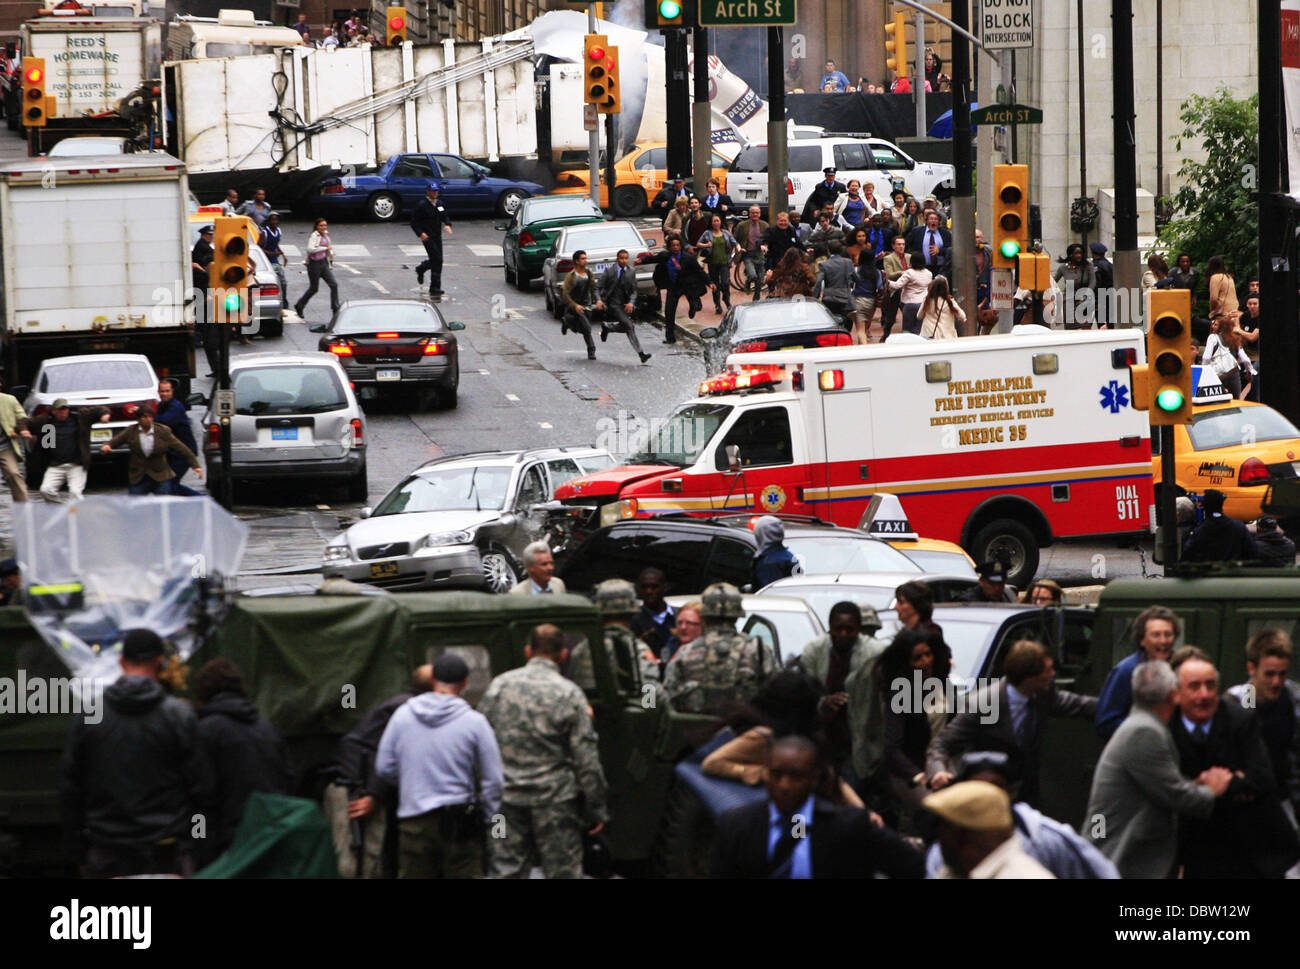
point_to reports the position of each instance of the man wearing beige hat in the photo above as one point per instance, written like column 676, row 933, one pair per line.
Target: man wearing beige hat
column 976, row 834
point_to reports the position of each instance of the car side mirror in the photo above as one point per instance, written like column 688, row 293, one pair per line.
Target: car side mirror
column 317, row 328
column 365, row 512
column 733, row 458
column 194, row 400
column 709, row 333
column 479, row 176
column 455, row 325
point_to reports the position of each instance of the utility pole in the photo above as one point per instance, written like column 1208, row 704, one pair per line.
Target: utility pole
column 918, row 86
column 701, row 114
column 1123, row 119
column 678, row 102
column 777, row 201
column 963, row 196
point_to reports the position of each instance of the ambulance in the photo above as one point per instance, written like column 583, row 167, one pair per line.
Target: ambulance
column 1002, row 444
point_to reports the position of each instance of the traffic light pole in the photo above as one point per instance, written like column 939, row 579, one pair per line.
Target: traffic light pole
column 1168, row 501
column 963, row 196
column 701, row 113
column 678, row 106
column 593, row 137
column 918, row 86
column 1123, row 119
column 776, row 147
column 227, row 496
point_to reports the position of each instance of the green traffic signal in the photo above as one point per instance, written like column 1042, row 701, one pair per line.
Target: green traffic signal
column 1170, row 399
column 670, row 9
column 232, row 303
column 1009, row 249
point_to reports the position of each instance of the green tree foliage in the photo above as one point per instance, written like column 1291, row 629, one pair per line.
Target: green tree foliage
column 1213, row 211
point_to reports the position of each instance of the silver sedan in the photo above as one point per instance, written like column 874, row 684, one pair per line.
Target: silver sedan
column 601, row 241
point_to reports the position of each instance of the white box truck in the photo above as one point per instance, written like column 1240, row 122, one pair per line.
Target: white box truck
column 95, row 258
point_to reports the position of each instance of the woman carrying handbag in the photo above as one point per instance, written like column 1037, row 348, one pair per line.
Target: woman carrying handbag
column 939, row 313
column 1223, row 352
column 319, row 263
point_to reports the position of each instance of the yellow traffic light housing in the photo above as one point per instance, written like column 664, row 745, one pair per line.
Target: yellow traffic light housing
column 595, row 63
column 230, row 273
column 1010, row 214
column 610, row 103
column 1033, row 272
column 396, row 21
column 35, row 102
column 896, row 45
column 1169, row 356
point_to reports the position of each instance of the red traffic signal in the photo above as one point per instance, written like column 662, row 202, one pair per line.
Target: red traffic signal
column 34, row 75
column 397, row 23
column 596, row 53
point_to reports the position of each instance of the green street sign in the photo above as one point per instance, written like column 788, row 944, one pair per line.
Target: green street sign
column 747, row 13
column 1007, row 114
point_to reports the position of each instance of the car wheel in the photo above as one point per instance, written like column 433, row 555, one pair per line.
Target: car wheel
column 271, row 329
column 359, row 486
column 498, row 571
column 384, row 206
column 448, row 393
column 629, row 201
column 508, row 202
column 523, row 281
column 512, row 278
column 1011, row 542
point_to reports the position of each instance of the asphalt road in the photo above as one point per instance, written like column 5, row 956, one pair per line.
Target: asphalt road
column 522, row 385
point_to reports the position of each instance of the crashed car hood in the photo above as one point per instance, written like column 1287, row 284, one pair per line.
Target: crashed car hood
column 412, row 527
column 611, row 481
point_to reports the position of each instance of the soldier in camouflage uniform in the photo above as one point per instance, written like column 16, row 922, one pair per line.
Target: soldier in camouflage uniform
column 554, row 787
column 616, row 599
column 722, row 668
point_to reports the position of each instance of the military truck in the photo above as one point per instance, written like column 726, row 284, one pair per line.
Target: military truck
column 316, row 664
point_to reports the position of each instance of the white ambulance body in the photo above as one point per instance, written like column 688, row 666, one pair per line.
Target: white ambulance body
column 1003, row 444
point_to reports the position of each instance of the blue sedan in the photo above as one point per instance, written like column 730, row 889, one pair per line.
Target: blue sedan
column 399, row 184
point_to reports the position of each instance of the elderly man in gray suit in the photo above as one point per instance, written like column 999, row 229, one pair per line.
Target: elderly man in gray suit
column 541, row 572
column 1137, row 790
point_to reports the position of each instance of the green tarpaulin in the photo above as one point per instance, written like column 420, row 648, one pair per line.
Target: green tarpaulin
column 278, row 837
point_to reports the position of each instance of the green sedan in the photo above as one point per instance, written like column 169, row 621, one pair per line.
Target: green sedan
column 531, row 232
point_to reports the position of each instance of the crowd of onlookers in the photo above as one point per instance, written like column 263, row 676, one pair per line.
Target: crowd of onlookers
column 352, row 31
column 835, row 81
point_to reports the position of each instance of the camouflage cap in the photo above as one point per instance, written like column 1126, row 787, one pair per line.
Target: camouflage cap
column 870, row 621
column 722, row 600
column 616, row 597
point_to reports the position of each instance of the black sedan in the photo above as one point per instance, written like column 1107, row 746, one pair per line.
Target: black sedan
column 771, row 324
column 395, row 345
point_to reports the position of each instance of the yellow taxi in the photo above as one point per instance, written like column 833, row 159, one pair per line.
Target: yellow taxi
column 1234, row 446
column 886, row 519
column 639, row 175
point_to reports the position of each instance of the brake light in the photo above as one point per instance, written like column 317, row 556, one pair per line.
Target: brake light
column 564, row 266
column 753, row 346
column 130, row 410
column 1254, row 471
column 434, row 347
column 268, row 290
column 642, row 257
column 333, row 190
column 830, row 379
column 840, row 339
column 789, row 188
column 356, row 432
column 387, row 336
column 341, row 348
column 526, row 238
column 209, row 208
column 214, row 435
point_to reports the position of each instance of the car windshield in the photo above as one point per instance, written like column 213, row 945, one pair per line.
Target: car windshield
column 820, row 598
column 1234, row 426
column 557, row 208
column 782, row 316
column 947, row 563
column 398, row 317
column 110, row 375
column 805, row 158
column 824, row 554
column 680, row 439
column 298, row 389
column 605, row 237
column 450, row 489
column 78, row 147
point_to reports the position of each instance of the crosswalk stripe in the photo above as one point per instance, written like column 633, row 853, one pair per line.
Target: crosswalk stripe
column 351, row 252
column 292, row 251
column 483, row 249
column 412, row 250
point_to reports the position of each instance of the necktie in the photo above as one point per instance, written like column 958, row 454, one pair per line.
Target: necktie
column 782, row 861
column 1201, row 735
column 929, row 241
column 620, row 274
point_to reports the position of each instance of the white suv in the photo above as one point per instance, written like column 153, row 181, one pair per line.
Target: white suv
column 866, row 159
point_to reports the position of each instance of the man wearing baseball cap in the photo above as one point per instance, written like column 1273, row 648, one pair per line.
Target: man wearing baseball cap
column 1103, row 274
column 444, row 759
column 992, row 587
column 977, row 835
column 428, row 222
column 133, row 775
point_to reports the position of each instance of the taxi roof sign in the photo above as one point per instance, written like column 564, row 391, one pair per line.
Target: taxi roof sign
column 1207, row 388
column 884, row 516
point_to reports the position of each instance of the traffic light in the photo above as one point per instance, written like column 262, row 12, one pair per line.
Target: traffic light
column 1010, row 214
column 36, row 104
column 595, row 61
column 1169, row 356
column 896, row 44
column 665, row 14
column 396, row 21
column 1033, row 272
column 610, row 103
column 228, row 275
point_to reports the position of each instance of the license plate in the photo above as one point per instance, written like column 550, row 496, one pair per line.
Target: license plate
column 797, row 347
column 600, row 268
column 284, row 434
column 383, row 570
column 100, row 435
column 388, row 375
column 749, row 193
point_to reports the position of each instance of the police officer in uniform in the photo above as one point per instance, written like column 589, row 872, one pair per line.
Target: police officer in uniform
column 428, row 221
column 992, row 587
column 201, row 257
column 722, row 668
column 825, row 191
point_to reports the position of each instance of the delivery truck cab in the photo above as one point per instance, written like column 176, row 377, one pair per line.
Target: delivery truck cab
column 1003, row 444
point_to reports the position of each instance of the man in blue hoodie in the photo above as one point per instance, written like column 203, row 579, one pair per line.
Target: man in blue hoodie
column 443, row 756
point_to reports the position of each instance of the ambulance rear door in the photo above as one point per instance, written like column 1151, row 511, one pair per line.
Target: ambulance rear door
column 845, row 482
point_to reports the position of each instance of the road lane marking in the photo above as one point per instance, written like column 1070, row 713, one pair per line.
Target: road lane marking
column 485, row 373
column 483, row 249
column 289, row 250
column 352, row 252
column 512, row 397
column 412, row 250
column 379, row 286
column 544, row 426
column 343, row 265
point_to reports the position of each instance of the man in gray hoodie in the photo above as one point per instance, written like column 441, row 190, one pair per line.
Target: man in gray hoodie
column 443, row 757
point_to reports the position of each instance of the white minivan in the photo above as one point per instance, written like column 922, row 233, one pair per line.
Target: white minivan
column 866, row 159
